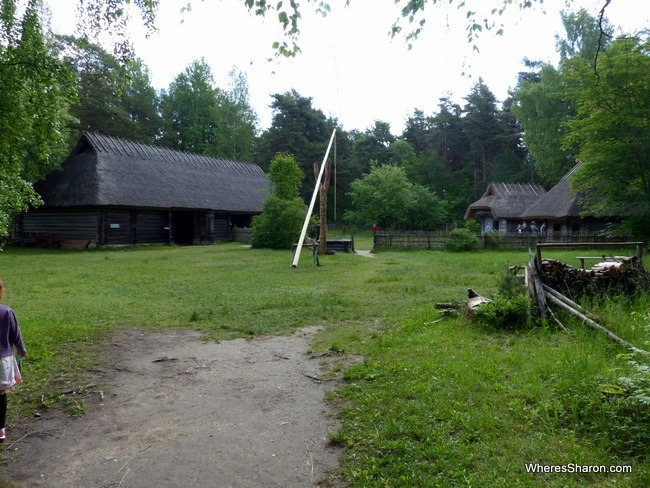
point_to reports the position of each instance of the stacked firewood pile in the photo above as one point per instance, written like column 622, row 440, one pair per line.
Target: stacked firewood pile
column 612, row 275
column 553, row 282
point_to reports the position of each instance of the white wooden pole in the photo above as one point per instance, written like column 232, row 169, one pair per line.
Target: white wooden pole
column 296, row 255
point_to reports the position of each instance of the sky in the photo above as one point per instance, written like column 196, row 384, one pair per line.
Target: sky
column 349, row 66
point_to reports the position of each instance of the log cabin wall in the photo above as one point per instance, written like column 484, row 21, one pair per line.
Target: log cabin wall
column 63, row 223
column 221, row 228
column 152, row 227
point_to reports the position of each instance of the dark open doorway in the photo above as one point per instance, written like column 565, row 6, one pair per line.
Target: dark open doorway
column 183, row 227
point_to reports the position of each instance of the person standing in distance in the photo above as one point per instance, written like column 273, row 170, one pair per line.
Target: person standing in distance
column 10, row 338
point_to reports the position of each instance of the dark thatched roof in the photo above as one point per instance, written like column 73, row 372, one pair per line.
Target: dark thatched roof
column 106, row 171
column 558, row 203
column 506, row 200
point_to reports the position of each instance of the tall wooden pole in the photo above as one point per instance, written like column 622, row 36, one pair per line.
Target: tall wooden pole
column 296, row 256
column 324, row 189
column 334, row 181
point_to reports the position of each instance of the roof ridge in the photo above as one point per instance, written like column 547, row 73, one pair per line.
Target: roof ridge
column 108, row 143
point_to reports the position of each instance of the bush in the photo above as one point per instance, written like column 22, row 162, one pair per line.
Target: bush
column 279, row 224
column 462, row 240
column 493, row 239
column 473, row 225
column 505, row 312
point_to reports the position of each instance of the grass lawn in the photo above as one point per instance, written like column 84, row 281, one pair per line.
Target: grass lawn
column 446, row 403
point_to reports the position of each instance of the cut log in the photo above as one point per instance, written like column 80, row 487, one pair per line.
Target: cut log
column 475, row 300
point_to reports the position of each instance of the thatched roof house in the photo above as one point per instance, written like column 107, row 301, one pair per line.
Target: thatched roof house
column 560, row 202
column 560, row 209
column 114, row 191
column 502, row 204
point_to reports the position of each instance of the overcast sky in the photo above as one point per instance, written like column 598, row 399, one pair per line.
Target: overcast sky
column 349, row 65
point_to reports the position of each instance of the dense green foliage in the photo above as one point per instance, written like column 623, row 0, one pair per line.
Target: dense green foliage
column 279, row 224
column 34, row 101
column 505, row 312
column 283, row 213
column 386, row 197
column 432, row 403
column 462, row 240
column 299, row 129
column 611, row 131
column 594, row 108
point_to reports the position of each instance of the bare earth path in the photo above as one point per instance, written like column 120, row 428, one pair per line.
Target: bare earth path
column 180, row 412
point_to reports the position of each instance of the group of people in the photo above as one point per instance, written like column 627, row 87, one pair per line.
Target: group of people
column 532, row 229
column 11, row 345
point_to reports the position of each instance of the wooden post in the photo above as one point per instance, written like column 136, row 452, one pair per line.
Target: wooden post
column 323, row 190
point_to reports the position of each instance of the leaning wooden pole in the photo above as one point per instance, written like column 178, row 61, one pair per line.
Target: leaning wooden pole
column 296, row 255
column 593, row 324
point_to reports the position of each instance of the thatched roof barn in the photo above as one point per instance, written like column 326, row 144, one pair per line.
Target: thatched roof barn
column 114, row 191
column 502, row 204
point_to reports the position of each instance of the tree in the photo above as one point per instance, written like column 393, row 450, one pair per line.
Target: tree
column 140, row 101
column 100, row 80
column 374, row 145
column 36, row 91
column 283, row 212
column 236, row 130
column 544, row 103
column 482, row 129
column 298, row 129
column 611, row 132
column 542, row 108
column 189, row 107
column 387, row 198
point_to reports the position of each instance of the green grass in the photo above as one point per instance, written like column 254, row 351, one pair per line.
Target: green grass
column 449, row 403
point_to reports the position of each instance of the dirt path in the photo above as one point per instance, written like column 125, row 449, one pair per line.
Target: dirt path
column 178, row 411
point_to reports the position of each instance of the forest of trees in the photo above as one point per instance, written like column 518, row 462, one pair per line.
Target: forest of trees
column 593, row 107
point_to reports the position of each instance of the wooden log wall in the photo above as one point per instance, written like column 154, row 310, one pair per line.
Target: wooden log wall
column 64, row 224
column 152, row 227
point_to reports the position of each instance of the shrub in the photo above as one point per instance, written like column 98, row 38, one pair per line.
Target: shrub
column 510, row 285
column 473, row 226
column 493, row 239
column 505, row 312
column 279, row 224
column 462, row 240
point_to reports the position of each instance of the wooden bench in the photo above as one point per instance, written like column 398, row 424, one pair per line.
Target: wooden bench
column 333, row 245
column 601, row 258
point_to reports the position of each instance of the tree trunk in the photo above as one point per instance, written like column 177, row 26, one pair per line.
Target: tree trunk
column 322, row 193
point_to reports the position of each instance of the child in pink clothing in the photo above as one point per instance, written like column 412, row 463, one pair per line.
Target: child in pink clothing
column 10, row 338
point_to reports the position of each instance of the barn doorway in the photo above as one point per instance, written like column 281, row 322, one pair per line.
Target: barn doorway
column 183, row 227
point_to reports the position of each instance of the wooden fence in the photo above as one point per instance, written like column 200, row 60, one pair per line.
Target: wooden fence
column 242, row 234
column 438, row 240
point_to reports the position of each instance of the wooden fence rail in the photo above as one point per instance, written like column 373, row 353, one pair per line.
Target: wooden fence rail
column 438, row 240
